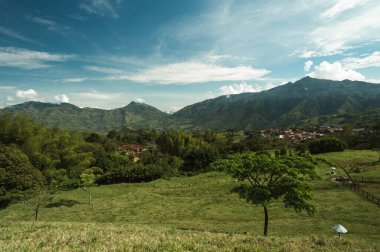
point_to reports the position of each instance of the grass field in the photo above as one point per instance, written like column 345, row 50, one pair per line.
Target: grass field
column 63, row 236
column 195, row 213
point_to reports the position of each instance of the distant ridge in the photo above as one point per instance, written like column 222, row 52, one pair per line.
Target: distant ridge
column 306, row 102
column 134, row 115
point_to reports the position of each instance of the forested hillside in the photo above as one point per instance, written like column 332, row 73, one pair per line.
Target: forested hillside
column 308, row 102
column 280, row 107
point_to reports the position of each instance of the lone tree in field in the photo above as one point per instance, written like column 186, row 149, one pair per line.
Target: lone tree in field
column 348, row 167
column 88, row 182
column 39, row 199
column 267, row 178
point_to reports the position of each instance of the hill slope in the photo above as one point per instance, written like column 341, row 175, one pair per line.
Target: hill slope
column 307, row 102
column 134, row 115
column 283, row 106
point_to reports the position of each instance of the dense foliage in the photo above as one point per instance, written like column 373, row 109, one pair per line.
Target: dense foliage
column 326, row 144
column 33, row 156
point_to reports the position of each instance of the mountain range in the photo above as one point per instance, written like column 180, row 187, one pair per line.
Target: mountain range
column 305, row 103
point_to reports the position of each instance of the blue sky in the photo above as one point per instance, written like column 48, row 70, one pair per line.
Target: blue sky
column 173, row 53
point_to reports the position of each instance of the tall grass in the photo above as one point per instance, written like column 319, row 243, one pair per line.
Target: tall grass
column 122, row 237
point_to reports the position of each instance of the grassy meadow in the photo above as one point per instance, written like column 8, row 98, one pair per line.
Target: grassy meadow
column 195, row 214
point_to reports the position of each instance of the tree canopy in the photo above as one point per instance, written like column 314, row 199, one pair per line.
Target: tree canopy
column 267, row 177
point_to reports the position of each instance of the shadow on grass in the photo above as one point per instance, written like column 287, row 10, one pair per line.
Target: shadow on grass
column 63, row 202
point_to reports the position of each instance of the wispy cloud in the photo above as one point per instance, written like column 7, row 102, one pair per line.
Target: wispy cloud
column 101, row 7
column 105, row 70
column 7, row 87
column 252, row 29
column 372, row 60
column 335, row 71
column 347, row 33
column 97, row 95
column 192, row 72
column 73, row 80
column 339, row 7
column 27, row 59
column 17, row 35
column 50, row 25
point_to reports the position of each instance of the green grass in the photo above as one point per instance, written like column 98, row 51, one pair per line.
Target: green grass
column 191, row 209
column 364, row 156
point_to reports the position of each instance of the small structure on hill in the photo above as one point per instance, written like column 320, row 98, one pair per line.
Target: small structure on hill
column 339, row 229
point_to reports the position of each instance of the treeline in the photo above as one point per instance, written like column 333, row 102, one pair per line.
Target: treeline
column 32, row 156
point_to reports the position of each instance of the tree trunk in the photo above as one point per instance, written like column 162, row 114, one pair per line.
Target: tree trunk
column 36, row 212
column 266, row 221
column 89, row 197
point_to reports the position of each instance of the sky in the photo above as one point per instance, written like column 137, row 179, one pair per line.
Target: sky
column 173, row 53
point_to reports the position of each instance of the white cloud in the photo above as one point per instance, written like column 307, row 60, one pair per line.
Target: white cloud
column 372, row 60
column 140, row 100
column 173, row 109
column 308, row 65
column 99, row 96
column 236, row 89
column 23, row 58
column 339, row 7
column 101, row 7
column 218, row 57
column 79, row 79
column 62, row 98
column 243, row 88
column 29, row 94
column 335, row 71
column 336, row 37
column 10, row 98
column 376, row 81
column 16, row 35
column 193, row 72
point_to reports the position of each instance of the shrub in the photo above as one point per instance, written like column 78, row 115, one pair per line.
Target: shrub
column 326, row 144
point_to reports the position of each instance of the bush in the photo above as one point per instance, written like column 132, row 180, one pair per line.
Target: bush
column 326, row 144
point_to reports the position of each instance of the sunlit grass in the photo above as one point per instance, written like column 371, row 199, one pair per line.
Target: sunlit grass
column 55, row 236
column 193, row 213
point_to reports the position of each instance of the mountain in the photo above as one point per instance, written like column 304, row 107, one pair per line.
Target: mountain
column 283, row 106
column 304, row 103
column 134, row 115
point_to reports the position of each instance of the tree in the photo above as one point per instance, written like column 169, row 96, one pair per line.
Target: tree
column 327, row 144
column 348, row 166
column 267, row 178
column 198, row 158
column 17, row 175
column 39, row 199
column 88, row 182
